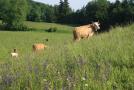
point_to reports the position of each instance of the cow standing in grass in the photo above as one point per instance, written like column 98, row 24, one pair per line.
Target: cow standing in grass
column 85, row 31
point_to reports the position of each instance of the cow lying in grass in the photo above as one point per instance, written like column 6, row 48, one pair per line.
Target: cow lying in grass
column 85, row 31
column 39, row 47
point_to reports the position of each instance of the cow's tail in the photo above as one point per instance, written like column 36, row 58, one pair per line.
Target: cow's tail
column 75, row 35
column 34, row 48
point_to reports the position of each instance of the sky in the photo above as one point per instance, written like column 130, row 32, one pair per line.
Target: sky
column 75, row 4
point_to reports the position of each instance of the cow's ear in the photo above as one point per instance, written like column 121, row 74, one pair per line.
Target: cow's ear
column 98, row 22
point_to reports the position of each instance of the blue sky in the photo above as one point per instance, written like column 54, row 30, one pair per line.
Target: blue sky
column 75, row 4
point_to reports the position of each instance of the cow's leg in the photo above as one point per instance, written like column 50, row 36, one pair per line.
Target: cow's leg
column 78, row 39
column 88, row 36
column 91, row 34
column 76, row 36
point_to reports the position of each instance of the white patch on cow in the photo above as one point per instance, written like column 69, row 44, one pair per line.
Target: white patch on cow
column 14, row 54
column 97, row 25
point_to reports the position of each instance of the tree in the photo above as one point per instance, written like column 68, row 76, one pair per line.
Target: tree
column 97, row 10
column 35, row 12
column 42, row 12
column 91, row 11
column 50, row 14
column 64, row 10
column 60, row 9
column 128, row 11
column 14, row 13
column 101, row 12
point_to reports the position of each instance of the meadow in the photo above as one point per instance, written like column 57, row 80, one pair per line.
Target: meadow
column 104, row 62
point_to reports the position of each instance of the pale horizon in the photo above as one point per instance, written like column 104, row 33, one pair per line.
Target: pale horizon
column 73, row 4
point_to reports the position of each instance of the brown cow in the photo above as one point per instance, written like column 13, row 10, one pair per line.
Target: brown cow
column 85, row 31
column 39, row 47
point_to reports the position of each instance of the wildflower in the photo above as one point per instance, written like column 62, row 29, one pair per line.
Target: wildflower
column 86, row 85
column 74, row 85
column 83, row 78
column 58, row 72
column 44, row 80
column 67, row 79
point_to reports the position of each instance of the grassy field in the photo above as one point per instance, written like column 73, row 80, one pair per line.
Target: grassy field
column 104, row 62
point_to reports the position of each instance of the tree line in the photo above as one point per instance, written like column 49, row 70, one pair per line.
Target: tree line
column 47, row 13
column 109, row 14
column 14, row 12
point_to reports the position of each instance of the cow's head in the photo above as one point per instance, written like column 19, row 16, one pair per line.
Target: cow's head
column 96, row 25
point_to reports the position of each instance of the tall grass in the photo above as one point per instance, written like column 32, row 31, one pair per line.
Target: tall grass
column 104, row 62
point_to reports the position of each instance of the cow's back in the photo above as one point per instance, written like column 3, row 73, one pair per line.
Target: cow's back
column 82, row 32
column 38, row 47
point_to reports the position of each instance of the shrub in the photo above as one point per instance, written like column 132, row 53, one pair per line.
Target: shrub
column 52, row 29
column 15, row 27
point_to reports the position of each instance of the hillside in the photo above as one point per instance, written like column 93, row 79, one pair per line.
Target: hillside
column 104, row 62
column 42, row 26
